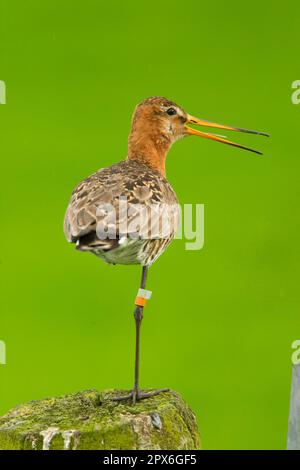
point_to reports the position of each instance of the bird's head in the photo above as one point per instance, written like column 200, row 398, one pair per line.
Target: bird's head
column 159, row 119
column 158, row 122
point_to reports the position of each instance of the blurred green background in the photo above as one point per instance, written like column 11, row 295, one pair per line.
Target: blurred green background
column 221, row 321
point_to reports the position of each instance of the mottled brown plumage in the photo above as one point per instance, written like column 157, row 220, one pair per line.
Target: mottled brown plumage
column 141, row 186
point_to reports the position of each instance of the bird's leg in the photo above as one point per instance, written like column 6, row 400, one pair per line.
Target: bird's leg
column 136, row 393
column 138, row 316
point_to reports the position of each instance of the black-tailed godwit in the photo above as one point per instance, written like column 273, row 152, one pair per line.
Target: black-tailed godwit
column 128, row 213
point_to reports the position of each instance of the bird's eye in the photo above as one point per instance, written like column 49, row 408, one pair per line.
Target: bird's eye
column 171, row 111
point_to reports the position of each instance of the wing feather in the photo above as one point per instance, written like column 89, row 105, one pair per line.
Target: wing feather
column 95, row 205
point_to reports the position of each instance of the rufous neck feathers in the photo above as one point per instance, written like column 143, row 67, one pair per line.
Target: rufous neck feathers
column 149, row 145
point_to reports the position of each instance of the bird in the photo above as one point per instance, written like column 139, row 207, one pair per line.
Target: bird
column 128, row 213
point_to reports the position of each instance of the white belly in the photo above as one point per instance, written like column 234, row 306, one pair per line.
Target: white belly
column 134, row 251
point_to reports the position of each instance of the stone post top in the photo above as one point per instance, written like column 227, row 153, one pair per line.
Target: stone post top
column 91, row 420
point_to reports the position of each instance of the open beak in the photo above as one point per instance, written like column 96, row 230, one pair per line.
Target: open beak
column 219, row 138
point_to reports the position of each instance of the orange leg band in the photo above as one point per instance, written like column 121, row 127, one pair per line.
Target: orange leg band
column 140, row 301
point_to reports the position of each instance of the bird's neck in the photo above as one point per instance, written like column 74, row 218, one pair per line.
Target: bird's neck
column 150, row 149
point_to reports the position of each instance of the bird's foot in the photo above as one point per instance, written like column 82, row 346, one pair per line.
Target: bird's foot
column 136, row 395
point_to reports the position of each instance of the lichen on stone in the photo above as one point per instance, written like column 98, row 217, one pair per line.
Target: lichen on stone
column 91, row 420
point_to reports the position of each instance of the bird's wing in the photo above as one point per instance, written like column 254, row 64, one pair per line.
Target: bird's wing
column 124, row 199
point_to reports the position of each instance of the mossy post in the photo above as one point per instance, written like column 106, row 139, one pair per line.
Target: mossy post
column 91, row 420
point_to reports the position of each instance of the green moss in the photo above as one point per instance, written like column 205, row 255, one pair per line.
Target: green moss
column 91, row 420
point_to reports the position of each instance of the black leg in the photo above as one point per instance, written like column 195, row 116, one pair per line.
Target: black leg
column 136, row 393
column 138, row 316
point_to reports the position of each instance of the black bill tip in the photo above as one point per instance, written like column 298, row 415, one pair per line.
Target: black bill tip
column 249, row 131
